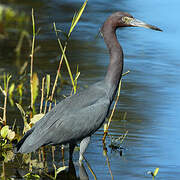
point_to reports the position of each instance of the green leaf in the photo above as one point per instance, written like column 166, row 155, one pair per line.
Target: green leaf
column 36, row 118
column 48, row 80
column 4, row 131
column 29, row 176
column 61, row 169
column 35, row 86
column 156, row 171
column 23, row 114
column 20, row 90
column 11, row 89
column 6, row 81
column 7, row 146
column 8, row 156
column 21, row 110
column 11, row 135
column 4, row 143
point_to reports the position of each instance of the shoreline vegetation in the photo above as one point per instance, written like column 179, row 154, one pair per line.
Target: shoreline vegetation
column 41, row 90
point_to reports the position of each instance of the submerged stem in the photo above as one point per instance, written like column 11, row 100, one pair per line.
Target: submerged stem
column 112, row 113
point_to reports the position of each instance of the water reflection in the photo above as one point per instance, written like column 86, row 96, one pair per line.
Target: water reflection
column 71, row 171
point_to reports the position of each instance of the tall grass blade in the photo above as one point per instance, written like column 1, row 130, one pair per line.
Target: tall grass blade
column 42, row 94
column 48, row 80
column 32, row 59
column 64, row 56
column 77, row 17
column 33, row 23
column 156, row 171
column 6, row 88
column 63, row 49
column 76, row 78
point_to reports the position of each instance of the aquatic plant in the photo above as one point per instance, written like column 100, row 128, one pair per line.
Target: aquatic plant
column 46, row 97
column 153, row 174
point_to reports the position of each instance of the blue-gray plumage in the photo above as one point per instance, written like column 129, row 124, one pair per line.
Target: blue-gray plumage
column 77, row 117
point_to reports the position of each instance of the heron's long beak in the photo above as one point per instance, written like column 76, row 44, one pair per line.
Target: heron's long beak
column 138, row 23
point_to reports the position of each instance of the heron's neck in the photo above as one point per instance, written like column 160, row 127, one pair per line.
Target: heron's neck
column 115, row 68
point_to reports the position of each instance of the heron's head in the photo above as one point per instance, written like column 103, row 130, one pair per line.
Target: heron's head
column 123, row 19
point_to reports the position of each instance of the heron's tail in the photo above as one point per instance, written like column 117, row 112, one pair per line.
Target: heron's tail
column 19, row 147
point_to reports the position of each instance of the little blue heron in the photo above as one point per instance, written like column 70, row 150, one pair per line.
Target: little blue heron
column 77, row 117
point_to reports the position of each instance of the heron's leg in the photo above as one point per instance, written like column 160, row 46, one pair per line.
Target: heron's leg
column 83, row 146
column 82, row 173
column 71, row 149
column 72, row 170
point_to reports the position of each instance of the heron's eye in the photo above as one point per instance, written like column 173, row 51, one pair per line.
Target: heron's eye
column 126, row 19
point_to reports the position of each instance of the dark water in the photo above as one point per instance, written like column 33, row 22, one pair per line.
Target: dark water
column 150, row 92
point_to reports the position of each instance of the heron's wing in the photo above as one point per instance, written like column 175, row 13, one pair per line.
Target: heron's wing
column 72, row 119
column 77, row 125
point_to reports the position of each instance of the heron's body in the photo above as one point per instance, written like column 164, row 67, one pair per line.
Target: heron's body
column 82, row 113
column 77, row 117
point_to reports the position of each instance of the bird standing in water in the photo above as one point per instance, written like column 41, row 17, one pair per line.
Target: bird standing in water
column 77, row 117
